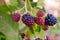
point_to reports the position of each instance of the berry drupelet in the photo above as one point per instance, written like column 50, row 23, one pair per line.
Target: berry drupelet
column 27, row 19
column 16, row 17
column 39, row 21
column 40, row 13
column 50, row 20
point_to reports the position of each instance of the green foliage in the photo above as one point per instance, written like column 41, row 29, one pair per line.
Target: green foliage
column 8, row 27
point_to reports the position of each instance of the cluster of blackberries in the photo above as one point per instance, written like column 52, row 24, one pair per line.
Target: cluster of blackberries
column 29, row 20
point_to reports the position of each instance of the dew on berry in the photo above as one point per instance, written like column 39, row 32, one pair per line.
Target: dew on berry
column 27, row 19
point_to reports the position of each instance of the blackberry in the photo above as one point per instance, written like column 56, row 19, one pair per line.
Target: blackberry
column 38, row 39
column 39, row 21
column 40, row 13
column 27, row 19
column 22, row 35
column 45, row 27
column 16, row 17
column 50, row 20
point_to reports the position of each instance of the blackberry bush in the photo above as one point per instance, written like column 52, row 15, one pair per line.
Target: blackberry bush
column 28, row 19
column 50, row 20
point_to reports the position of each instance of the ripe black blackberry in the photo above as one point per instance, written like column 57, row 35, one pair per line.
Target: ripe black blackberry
column 50, row 20
column 27, row 19
column 38, row 39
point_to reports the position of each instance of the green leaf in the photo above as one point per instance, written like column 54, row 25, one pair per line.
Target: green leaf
column 8, row 27
column 2, row 36
column 31, row 30
column 14, row 3
column 3, row 9
column 34, row 4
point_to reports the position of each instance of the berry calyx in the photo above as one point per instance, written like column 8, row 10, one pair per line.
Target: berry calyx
column 45, row 27
column 27, row 19
column 39, row 21
column 50, row 20
column 40, row 13
column 15, row 17
column 22, row 35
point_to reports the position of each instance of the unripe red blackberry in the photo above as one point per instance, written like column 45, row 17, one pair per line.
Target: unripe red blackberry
column 27, row 19
column 45, row 27
column 28, row 39
column 40, row 13
column 16, row 17
column 39, row 21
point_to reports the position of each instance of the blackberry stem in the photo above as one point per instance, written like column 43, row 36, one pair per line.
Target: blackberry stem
column 30, row 6
column 26, row 5
column 7, row 6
